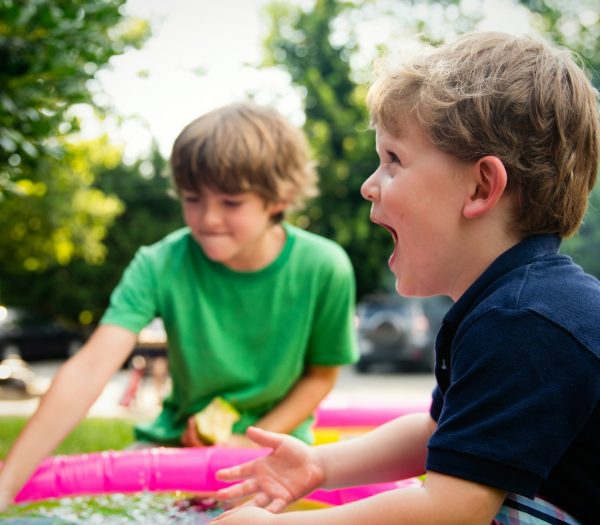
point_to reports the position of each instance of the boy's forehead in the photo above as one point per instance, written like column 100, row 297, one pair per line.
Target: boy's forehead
column 398, row 128
column 385, row 135
column 207, row 190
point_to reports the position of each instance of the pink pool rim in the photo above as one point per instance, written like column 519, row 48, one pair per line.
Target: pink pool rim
column 194, row 469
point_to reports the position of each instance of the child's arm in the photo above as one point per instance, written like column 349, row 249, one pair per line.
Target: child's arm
column 301, row 401
column 74, row 389
column 396, row 450
column 443, row 500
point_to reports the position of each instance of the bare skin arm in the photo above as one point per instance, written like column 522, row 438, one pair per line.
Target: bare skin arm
column 76, row 386
column 393, row 451
column 300, row 403
column 443, row 500
column 396, row 450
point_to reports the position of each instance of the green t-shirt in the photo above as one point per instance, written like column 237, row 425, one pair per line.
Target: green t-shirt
column 244, row 336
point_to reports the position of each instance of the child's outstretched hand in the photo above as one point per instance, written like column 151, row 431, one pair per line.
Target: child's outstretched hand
column 289, row 472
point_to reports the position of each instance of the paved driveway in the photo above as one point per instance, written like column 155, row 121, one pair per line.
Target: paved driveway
column 384, row 388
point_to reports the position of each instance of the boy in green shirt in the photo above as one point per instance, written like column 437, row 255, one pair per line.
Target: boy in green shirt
column 257, row 312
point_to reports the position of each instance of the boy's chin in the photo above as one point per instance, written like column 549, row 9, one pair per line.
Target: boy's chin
column 404, row 290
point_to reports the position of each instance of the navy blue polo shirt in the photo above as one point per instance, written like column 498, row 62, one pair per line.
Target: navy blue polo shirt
column 517, row 400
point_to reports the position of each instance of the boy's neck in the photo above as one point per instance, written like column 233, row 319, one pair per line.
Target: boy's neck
column 267, row 248
column 483, row 254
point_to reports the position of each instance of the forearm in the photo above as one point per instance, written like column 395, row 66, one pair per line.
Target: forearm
column 396, row 450
column 443, row 501
column 383, row 509
column 301, row 401
column 61, row 408
column 76, row 386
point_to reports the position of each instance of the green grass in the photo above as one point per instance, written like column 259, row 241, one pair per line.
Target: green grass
column 92, row 435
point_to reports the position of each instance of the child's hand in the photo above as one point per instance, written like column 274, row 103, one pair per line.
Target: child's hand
column 244, row 516
column 274, row 481
column 238, row 441
column 190, row 437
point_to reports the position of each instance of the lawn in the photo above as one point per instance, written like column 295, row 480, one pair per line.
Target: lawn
column 92, row 435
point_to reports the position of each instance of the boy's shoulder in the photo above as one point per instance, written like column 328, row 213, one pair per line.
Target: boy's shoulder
column 316, row 246
column 310, row 251
column 175, row 242
column 311, row 238
column 553, row 288
column 556, row 285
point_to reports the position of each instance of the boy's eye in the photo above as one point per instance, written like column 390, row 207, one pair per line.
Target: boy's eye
column 393, row 158
column 191, row 199
column 231, row 203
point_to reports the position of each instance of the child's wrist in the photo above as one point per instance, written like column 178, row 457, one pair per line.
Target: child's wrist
column 6, row 498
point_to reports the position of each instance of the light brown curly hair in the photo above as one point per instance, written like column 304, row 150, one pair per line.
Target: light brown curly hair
column 514, row 97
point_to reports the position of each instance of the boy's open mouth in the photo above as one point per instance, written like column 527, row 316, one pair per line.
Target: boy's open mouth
column 394, row 237
column 388, row 228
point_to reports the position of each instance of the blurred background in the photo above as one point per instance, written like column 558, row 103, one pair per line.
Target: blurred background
column 93, row 93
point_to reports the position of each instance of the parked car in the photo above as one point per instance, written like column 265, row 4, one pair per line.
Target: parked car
column 31, row 336
column 398, row 331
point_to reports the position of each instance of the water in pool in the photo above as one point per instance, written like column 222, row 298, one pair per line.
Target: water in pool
column 116, row 509
column 145, row 508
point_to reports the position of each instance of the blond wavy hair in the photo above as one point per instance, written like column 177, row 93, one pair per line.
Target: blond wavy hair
column 514, row 97
column 245, row 147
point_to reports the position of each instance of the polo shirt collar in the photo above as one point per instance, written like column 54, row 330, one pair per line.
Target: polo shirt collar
column 521, row 254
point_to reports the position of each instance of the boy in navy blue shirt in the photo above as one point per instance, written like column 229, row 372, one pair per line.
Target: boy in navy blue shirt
column 489, row 148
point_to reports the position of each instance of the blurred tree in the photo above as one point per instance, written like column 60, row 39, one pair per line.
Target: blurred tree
column 79, row 290
column 337, row 128
column 56, row 218
column 318, row 47
column 49, row 54
column 576, row 25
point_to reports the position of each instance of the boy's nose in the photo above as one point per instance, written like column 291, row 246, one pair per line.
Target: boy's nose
column 210, row 216
column 369, row 189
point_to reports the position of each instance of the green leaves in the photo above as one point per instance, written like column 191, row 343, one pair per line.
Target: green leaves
column 49, row 51
column 49, row 54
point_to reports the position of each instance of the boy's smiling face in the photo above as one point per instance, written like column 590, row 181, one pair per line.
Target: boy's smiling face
column 234, row 229
column 418, row 194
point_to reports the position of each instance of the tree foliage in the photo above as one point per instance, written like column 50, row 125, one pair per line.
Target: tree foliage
column 319, row 47
column 78, row 291
column 54, row 218
column 316, row 47
column 49, row 54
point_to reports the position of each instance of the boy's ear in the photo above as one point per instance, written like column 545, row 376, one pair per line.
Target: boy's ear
column 487, row 187
column 278, row 207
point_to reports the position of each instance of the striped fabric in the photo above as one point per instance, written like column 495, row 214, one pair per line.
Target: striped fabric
column 518, row 510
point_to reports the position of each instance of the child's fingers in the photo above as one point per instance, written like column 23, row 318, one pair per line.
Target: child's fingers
column 276, row 506
column 237, row 472
column 260, row 500
column 238, row 491
column 190, row 437
column 264, row 438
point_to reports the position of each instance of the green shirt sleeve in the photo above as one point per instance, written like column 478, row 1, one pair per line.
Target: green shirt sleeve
column 133, row 303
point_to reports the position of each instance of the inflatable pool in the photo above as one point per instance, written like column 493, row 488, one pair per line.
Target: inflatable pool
column 160, row 469
column 193, row 469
